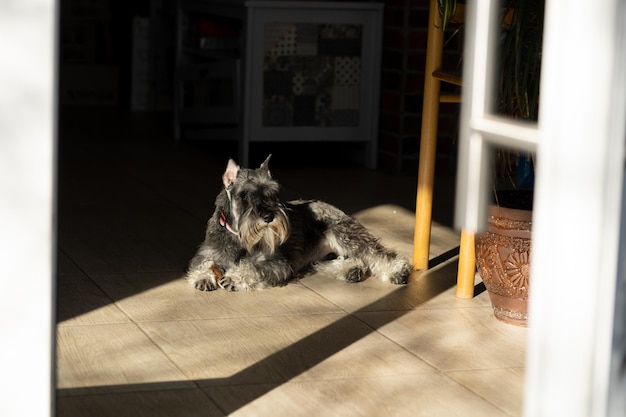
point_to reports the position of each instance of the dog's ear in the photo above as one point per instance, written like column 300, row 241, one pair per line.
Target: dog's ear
column 265, row 166
column 230, row 174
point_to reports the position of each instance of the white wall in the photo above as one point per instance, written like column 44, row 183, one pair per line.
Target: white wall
column 26, row 206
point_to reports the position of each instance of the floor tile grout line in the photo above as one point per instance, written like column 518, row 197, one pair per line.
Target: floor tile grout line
column 342, row 312
column 88, row 276
column 243, row 317
column 401, row 346
column 471, row 391
column 160, row 348
column 328, row 299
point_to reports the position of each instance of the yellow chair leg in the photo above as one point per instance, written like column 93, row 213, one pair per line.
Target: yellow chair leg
column 467, row 266
column 428, row 142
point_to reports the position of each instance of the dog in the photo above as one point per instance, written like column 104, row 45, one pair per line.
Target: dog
column 254, row 240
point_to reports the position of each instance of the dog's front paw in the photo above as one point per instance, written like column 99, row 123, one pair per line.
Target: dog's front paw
column 235, row 282
column 203, row 277
column 241, row 277
column 205, row 284
column 227, row 283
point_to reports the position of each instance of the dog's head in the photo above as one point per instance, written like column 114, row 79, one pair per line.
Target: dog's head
column 257, row 215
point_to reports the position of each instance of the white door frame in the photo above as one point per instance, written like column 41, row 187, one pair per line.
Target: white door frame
column 28, row 39
column 575, row 366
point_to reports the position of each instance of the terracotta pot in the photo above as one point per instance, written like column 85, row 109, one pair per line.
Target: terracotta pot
column 503, row 261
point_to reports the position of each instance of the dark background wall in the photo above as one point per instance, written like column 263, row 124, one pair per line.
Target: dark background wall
column 402, row 88
column 102, row 60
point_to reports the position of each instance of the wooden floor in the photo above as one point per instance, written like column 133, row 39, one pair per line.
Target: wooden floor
column 134, row 339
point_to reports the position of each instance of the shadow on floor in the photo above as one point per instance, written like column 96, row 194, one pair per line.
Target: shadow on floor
column 263, row 376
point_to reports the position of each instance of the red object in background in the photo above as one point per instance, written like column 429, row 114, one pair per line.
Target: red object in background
column 210, row 28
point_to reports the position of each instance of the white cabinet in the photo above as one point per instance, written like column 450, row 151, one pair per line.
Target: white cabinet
column 302, row 71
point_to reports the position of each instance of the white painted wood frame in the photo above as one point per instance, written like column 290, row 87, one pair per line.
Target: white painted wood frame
column 575, row 355
column 28, row 42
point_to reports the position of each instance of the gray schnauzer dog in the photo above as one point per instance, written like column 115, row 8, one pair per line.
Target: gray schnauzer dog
column 254, row 240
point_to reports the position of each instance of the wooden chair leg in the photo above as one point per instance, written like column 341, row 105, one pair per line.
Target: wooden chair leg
column 428, row 142
column 467, row 266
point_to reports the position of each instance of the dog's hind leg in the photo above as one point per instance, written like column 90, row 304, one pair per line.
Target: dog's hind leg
column 346, row 269
column 351, row 240
column 388, row 266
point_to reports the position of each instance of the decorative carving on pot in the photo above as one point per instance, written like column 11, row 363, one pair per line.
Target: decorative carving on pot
column 503, row 261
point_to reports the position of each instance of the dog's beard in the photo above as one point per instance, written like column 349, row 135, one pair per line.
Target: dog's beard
column 257, row 236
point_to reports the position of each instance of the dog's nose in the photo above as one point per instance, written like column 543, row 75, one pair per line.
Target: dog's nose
column 268, row 217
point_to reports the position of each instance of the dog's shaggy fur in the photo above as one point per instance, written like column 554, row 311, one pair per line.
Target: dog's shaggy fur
column 254, row 241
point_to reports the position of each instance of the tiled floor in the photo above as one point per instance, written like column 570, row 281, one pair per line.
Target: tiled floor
column 134, row 339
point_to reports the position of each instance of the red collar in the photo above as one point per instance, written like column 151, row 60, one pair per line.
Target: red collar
column 227, row 225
